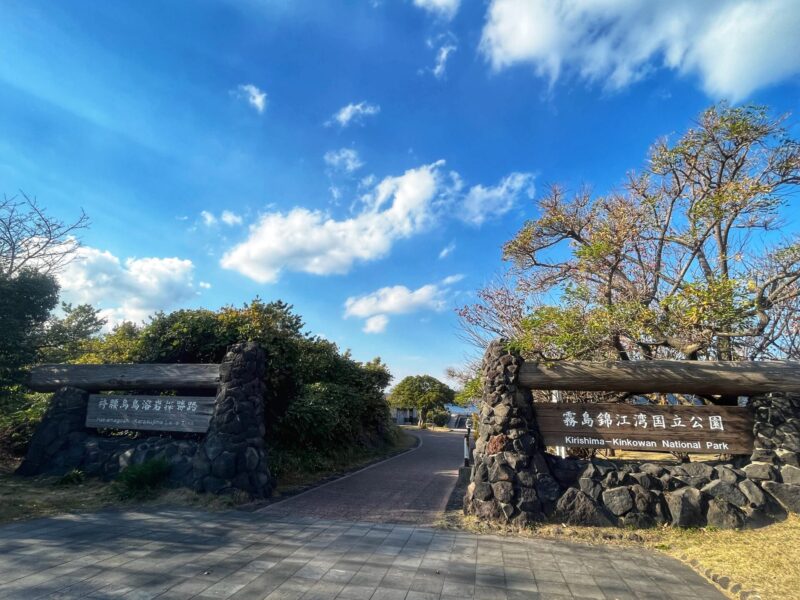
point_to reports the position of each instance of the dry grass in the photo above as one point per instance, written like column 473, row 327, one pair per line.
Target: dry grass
column 31, row 497
column 766, row 560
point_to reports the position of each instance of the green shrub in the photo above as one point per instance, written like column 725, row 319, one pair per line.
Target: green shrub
column 440, row 418
column 318, row 402
column 73, row 477
column 141, row 481
column 20, row 413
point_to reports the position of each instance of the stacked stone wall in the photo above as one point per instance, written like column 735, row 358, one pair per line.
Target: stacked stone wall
column 511, row 478
column 521, row 482
column 231, row 456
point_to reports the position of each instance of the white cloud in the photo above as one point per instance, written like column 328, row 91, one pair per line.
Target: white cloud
column 733, row 46
column 354, row 113
column 345, row 159
column 376, row 324
column 446, row 9
column 230, row 218
column 205, row 285
column 395, row 300
column 450, row 280
column 376, row 306
column 441, row 60
column 312, row 241
column 131, row 290
column 254, row 96
column 482, row 204
column 447, row 250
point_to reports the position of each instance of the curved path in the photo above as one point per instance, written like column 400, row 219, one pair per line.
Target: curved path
column 354, row 538
column 412, row 488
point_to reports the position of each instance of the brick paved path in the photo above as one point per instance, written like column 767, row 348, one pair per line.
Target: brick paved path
column 192, row 554
column 411, row 488
column 374, row 549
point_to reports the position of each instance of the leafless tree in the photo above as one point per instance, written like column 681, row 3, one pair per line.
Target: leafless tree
column 29, row 238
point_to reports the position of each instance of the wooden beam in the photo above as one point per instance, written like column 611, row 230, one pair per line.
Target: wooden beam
column 94, row 378
column 739, row 378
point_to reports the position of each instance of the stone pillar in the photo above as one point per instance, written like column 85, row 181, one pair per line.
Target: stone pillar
column 511, row 480
column 57, row 444
column 775, row 462
column 234, row 454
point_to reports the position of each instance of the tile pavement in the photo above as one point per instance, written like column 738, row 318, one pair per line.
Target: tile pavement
column 412, row 488
column 185, row 553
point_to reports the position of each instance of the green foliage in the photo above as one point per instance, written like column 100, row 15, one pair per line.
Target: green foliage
column 25, row 304
column 671, row 265
column 73, row 477
column 20, row 413
column 66, row 338
column 440, row 417
column 472, row 390
column 423, row 392
column 138, row 482
column 318, row 399
column 289, row 463
column 121, row 345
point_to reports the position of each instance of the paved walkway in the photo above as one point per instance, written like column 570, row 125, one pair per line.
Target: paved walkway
column 192, row 554
column 412, row 488
column 356, row 538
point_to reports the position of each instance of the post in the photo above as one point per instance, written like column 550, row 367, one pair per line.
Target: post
column 466, row 445
column 555, row 396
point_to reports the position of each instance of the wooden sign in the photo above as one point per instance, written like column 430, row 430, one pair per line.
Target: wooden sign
column 647, row 427
column 151, row 413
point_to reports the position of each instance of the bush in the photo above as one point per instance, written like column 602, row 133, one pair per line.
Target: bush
column 141, row 481
column 74, row 477
column 318, row 402
column 440, row 418
column 20, row 413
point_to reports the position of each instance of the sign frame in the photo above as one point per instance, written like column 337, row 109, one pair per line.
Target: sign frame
column 706, row 429
column 188, row 414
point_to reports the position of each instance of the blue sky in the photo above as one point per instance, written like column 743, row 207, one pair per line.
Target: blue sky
column 361, row 160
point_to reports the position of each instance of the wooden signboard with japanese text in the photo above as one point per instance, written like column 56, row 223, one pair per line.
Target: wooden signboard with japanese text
column 647, row 427
column 150, row 413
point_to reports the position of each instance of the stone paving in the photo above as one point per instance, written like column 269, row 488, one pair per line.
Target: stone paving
column 359, row 537
column 193, row 554
column 412, row 488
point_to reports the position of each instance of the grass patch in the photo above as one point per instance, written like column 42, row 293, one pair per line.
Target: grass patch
column 766, row 560
column 74, row 477
column 31, row 497
column 297, row 472
column 138, row 482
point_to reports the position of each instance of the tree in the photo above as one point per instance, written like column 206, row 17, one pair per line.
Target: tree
column 25, row 304
column 423, row 392
column 684, row 261
column 30, row 239
column 33, row 247
column 120, row 345
column 66, row 338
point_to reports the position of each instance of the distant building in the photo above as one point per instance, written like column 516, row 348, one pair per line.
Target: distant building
column 405, row 416
column 459, row 415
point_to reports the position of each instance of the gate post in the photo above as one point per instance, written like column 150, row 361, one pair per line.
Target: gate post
column 511, row 480
column 233, row 455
